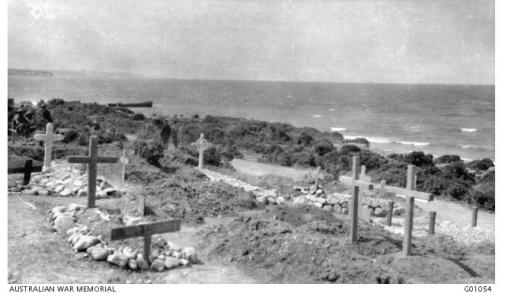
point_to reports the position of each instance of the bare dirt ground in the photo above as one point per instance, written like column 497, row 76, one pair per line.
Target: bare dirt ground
column 36, row 254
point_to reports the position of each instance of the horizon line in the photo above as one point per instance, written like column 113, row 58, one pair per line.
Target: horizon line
column 145, row 76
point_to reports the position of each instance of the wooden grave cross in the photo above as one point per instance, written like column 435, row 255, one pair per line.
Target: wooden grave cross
column 124, row 161
column 318, row 176
column 92, row 160
column 411, row 195
column 145, row 231
column 354, row 205
column 201, row 144
column 26, row 170
column 48, row 139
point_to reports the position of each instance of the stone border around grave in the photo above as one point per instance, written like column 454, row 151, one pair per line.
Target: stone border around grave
column 64, row 180
column 82, row 240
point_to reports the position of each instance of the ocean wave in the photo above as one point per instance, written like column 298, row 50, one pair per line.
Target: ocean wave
column 331, row 109
column 469, row 129
column 337, row 129
column 477, row 147
column 416, row 144
column 317, row 116
column 378, row 140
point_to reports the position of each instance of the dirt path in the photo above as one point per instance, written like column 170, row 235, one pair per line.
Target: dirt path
column 36, row 254
column 261, row 169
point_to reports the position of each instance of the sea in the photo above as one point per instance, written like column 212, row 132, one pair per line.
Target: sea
column 395, row 118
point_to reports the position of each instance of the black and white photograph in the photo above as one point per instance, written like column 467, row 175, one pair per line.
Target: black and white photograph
column 249, row 142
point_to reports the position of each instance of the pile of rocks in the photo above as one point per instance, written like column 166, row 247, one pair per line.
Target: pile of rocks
column 462, row 233
column 317, row 196
column 167, row 255
column 339, row 203
column 64, row 179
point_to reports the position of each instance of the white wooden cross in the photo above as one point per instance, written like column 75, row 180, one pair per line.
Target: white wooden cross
column 92, row 160
column 201, row 144
column 124, row 161
column 363, row 176
column 48, row 138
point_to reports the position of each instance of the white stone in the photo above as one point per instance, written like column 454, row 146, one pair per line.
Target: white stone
column 117, row 258
column 43, row 192
column 141, row 263
column 98, row 252
column 65, row 193
column 280, row 200
column 189, row 253
column 158, row 265
column 183, row 262
column 63, row 223
column 171, row 263
column 85, row 242
column 129, row 253
column 59, row 188
column 132, row 264
column 74, row 237
column 300, row 200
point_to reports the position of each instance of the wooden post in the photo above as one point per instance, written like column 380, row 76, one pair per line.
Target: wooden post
column 317, row 176
column 409, row 218
column 93, row 143
column 389, row 216
column 431, row 229
column 91, row 160
column 475, row 212
column 355, row 201
column 354, row 214
column 147, row 245
column 27, row 172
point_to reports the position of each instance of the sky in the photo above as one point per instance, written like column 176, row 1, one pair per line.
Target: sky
column 395, row 41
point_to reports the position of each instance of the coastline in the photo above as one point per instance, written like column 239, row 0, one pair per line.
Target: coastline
column 382, row 145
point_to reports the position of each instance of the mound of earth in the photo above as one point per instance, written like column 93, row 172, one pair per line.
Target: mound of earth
column 188, row 195
column 304, row 244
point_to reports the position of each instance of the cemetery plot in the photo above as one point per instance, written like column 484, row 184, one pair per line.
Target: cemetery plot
column 64, row 180
column 104, row 237
column 92, row 160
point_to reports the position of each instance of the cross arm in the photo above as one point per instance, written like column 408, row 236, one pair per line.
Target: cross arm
column 140, row 230
column 78, row 159
column 360, row 183
column 409, row 193
column 17, row 170
column 107, row 160
column 40, row 136
column 58, row 137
